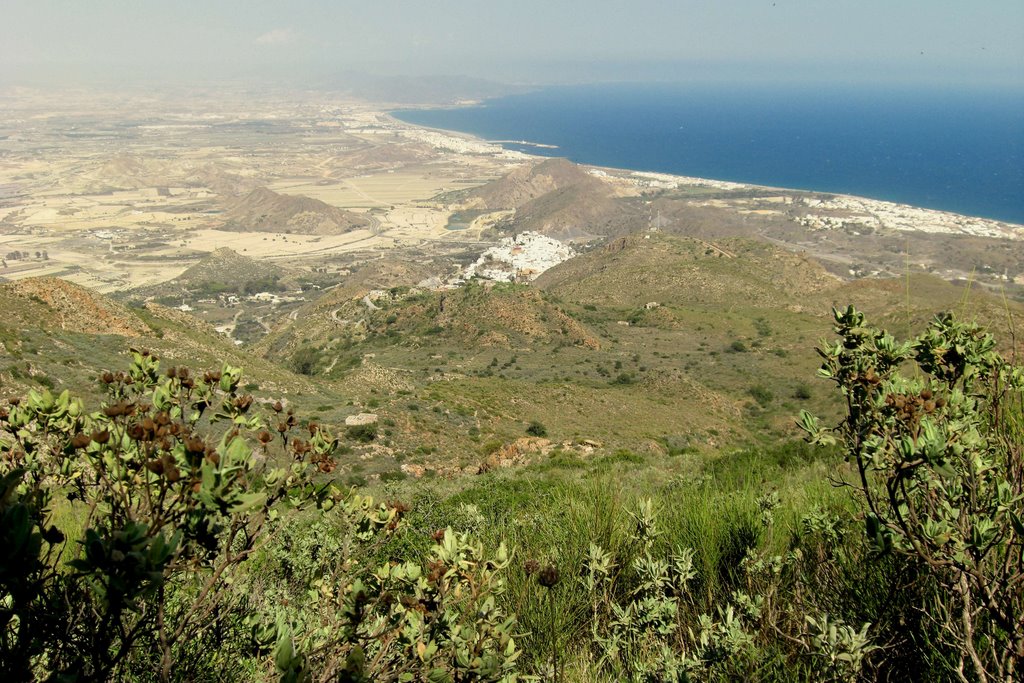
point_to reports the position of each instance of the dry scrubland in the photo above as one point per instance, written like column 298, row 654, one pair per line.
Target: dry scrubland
column 319, row 237
column 623, row 422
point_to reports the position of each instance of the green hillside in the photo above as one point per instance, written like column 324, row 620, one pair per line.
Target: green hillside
column 651, row 341
column 635, row 403
column 56, row 334
column 654, row 342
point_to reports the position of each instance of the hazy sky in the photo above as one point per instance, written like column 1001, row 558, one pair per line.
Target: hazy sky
column 524, row 41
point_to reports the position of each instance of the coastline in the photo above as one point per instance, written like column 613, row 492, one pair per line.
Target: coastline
column 867, row 143
column 139, row 206
column 875, row 213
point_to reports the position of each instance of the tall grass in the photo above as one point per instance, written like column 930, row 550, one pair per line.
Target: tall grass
column 550, row 515
column 553, row 519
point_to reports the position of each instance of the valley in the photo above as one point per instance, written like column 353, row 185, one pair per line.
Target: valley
column 331, row 245
column 455, row 290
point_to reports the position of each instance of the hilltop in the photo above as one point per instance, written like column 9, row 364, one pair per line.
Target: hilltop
column 264, row 210
column 135, row 172
column 221, row 271
column 531, row 181
column 635, row 270
column 227, row 265
column 556, row 198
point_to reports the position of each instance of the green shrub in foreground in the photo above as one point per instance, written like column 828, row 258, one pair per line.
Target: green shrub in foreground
column 171, row 503
column 939, row 455
column 166, row 508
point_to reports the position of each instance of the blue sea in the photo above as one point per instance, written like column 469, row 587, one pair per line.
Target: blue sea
column 954, row 150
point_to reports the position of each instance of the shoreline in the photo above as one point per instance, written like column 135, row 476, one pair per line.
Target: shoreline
column 392, row 111
column 896, row 215
column 114, row 219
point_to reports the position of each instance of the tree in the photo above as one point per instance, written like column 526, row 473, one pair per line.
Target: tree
column 935, row 428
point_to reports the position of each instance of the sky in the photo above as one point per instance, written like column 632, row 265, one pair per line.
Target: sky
column 527, row 41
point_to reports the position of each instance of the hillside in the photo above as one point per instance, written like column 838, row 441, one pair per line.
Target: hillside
column 635, row 270
column 317, row 319
column 59, row 306
column 652, row 343
column 57, row 334
column 532, row 181
column 264, row 210
column 646, row 340
column 575, row 212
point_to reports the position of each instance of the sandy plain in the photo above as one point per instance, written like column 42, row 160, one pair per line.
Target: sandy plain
column 114, row 192
column 115, row 199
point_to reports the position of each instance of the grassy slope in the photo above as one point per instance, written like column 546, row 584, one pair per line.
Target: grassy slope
column 724, row 359
column 59, row 334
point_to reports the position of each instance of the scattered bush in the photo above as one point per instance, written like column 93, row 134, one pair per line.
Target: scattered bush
column 362, row 433
column 134, row 541
column 536, row 428
column 762, row 394
column 393, row 475
column 737, row 346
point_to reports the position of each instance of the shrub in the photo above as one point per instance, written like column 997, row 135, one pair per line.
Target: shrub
column 678, row 445
column 762, row 394
column 640, row 595
column 306, row 360
column 393, row 475
column 362, row 433
column 165, row 511
column 405, row 622
column 168, row 510
column 737, row 346
column 939, row 450
column 536, row 428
